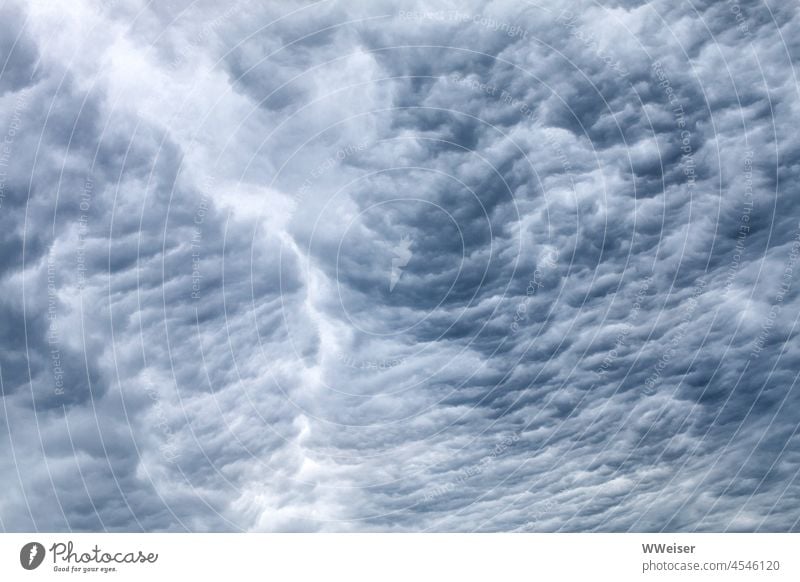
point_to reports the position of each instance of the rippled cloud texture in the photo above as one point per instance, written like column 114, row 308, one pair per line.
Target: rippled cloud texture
column 396, row 266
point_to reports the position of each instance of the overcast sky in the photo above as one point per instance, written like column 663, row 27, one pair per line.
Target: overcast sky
column 399, row 266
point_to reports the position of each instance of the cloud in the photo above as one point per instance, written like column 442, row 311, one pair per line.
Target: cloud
column 399, row 267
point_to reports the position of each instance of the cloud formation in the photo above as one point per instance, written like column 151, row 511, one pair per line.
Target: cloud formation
column 393, row 266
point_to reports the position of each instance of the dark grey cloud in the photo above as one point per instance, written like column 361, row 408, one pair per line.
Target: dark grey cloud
column 399, row 267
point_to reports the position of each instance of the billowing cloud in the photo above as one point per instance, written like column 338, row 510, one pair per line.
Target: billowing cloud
column 399, row 266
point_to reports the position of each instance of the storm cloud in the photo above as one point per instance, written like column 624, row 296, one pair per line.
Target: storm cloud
column 399, row 266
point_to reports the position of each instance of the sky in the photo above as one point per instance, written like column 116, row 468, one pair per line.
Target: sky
column 399, row 266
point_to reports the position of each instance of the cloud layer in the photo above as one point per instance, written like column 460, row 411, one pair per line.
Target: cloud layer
column 397, row 266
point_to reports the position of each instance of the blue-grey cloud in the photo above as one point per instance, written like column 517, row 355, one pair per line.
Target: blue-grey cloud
column 399, row 266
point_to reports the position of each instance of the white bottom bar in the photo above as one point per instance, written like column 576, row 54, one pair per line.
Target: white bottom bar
column 402, row 557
